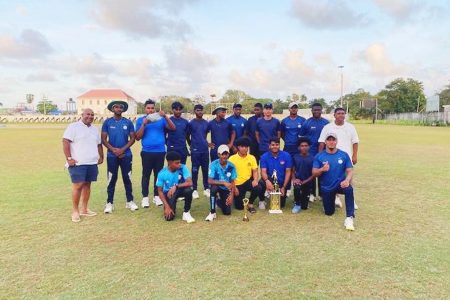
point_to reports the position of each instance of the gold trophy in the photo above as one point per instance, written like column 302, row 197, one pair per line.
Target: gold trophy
column 245, row 219
column 275, row 196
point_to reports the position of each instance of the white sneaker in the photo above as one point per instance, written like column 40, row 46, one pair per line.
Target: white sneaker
column 288, row 193
column 267, row 194
column 312, row 198
column 338, row 202
column 355, row 205
column 206, row 193
column 109, row 207
column 262, row 205
column 195, row 195
column 132, row 206
column 157, row 201
column 211, row 217
column 145, row 203
column 348, row 223
column 187, row 217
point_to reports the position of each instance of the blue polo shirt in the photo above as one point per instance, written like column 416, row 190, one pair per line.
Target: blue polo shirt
column 198, row 130
column 154, row 138
column 339, row 162
column 238, row 124
column 250, row 129
column 267, row 129
column 217, row 172
column 176, row 139
column 220, row 132
column 291, row 129
column 279, row 163
column 303, row 166
column 312, row 129
column 167, row 179
column 118, row 132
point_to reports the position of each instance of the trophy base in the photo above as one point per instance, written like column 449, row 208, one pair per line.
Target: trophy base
column 275, row 211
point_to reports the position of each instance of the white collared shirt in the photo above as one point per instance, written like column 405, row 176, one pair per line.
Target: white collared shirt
column 84, row 143
column 346, row 136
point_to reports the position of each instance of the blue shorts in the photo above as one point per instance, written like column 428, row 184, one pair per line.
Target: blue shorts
column 83, row 173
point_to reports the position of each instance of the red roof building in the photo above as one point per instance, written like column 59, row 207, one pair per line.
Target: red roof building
column 98, row 100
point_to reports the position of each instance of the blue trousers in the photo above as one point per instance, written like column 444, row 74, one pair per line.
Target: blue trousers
column 199, row 160
column 213, row 154
column 125, row 164
column 182, row 151
column 328, row 198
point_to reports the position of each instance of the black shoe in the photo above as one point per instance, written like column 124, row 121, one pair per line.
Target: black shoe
column 252, row 210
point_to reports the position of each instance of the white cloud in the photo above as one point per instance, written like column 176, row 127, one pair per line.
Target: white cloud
column 399, row 9
column 30, row 44
column 41, row 77
column 379, row 62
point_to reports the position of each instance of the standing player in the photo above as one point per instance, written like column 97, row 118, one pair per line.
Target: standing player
column 266, row 128
column 196, row 138
column 335, row 170
column 222, row 132
column 302, row 175
column 238, row 122
column 290, row 129
column 118, row 136
column 250, row 130
column 153, row 139
column 176, row 139
column 347, row 139
column 221, row 177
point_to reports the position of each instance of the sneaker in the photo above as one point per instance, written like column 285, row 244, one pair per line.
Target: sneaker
column 355, row 205
column 252, row 210
column 206, row 193
column 296, row 209
column 348, row 223
column 312, row 198
column 338, row 202
column 109, row 207
column 262, row 205
column 267, row 194
column 211, row 217
column 187, row 217
column 195, row 195
column 157, row 201
column 145, row 203
column 288, row 193
column 131, row 205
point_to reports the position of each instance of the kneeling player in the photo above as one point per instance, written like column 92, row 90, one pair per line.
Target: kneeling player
column 302, row 175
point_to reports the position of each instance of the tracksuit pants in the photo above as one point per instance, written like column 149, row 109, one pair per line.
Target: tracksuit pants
column 182, row 151
column 183, row 192
column 219, row 196
column 199, row 160
column 301, row 194
column 151, row 162
column 243, row 189
column 125, row 164
column 328, row 198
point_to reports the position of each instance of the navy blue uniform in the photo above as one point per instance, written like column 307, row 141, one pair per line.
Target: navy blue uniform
column 220, row 134
column 303, row 170
column 198, row 130
column 267, row 129
column 250, row 130
column 311, row 129
column 291, row 131
column 238, row 124
column 176, row 139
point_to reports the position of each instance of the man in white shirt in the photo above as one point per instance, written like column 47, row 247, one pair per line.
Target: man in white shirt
column 82, row 147
column 347, row 139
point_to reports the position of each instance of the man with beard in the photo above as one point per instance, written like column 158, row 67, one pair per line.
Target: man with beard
column 222, row 132
column 238, row 122
column 176, row 139
column 250, row 130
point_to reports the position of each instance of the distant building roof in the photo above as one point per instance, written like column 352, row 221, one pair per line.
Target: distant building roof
column 106, row 93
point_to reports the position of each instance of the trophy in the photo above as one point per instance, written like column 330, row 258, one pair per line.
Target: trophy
column 275, row 196
column 245, row 219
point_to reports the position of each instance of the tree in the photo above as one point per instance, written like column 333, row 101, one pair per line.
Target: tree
column 401, row 96
column 140, row 108
column 234, row 96
column 48, row 107
column 166, row 103
column 444, row 97
column 325, row 105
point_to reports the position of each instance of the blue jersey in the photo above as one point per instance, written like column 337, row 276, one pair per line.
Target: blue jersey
column 267, row 129
column 154, row 138
column 176, row 139
column 118, row 133
column 218, row 172
column 280, row 163
column 250, row 129
column 339, row 162
column 303, row 166
column 238, row 124
column 198, row 130
column 291, row 129
column 312, row 129
column 220, row 132
column 167, row 179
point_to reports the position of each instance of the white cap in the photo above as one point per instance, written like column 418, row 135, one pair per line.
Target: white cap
column 293, row 104
column 222, row 149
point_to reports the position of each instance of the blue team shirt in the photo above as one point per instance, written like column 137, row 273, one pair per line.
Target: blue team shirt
column 303, row 166
column 238, row 124
column 154, row 138
column 167, row 179
column 312, row 129
column 198, row 130
column 339, row 162
column 250, row 129
column 118, row 133
column 291, row 129
column 279, row 163
column 217, row 172
column 267, row 129
column 220, row 132
column 176, row 139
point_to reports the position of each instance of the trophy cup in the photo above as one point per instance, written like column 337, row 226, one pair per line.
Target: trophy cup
column 275, row 196
column 245, row 219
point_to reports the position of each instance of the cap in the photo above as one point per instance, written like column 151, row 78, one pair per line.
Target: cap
column 292, row 104
column 220, row 107
column 237, row 105
column 198, row 106
column 222, row 149
column 332, row 134
column 177, row 104
column 118, row 102
column 268, row 106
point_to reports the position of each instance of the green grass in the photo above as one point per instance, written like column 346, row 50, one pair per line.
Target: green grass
column 400, row 248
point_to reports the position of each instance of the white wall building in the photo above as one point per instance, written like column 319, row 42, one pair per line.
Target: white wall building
column 98, row 100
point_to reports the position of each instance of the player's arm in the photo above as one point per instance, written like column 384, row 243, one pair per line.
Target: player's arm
column 140, row 131
column 318, row 171
column 186, row 183
column 131, row 141
column 67, row 154
column 265, row 179
column 355, row 153
column 100, row 154
column 230, row 197
column 348, row 178
column 212, row 181
column 287, row 179
column 232, row 137
column 169, row 124
column 168, row 212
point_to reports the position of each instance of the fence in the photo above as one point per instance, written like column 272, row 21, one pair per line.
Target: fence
column 426, row 117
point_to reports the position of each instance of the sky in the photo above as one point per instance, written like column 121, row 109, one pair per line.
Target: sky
column 150, row 48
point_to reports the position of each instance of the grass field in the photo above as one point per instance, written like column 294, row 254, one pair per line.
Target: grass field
column 400, row 248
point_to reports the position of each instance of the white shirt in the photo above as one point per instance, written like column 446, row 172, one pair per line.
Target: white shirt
column 84, row 143
column 346, row 136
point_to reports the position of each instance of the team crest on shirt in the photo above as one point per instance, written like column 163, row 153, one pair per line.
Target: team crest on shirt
column 179, row 176
column 299, row 125
column 228, row 174
column 340, row 161
column 249, row 164
column 125, row 127
column 282, row 162
column 242, row 125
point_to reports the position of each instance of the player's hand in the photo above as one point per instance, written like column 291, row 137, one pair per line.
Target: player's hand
column 100, row 161
column 236, row 192
column 345, row 184
column 354, row 159
column 297, row 182
column 230, row 146
column 283, row 191
column 326, row 167
column 162, row 113
column 171, row 191
column 227, row 185
column 168, row 212
column 117, row 151
column 71, row 162
column 146, row 121
column 269, row 185
column 255, row 183
column 229, row 200
column 211, row 145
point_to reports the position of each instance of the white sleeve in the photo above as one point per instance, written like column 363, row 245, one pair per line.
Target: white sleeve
column 99, row 138
column 355, row 138
column 323, row 134
column 69, row 133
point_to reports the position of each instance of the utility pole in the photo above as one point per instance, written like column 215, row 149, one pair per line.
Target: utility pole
column 342, row 84
column 44, row 100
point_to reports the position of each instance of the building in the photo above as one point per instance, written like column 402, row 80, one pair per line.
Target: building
column 98, row 100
